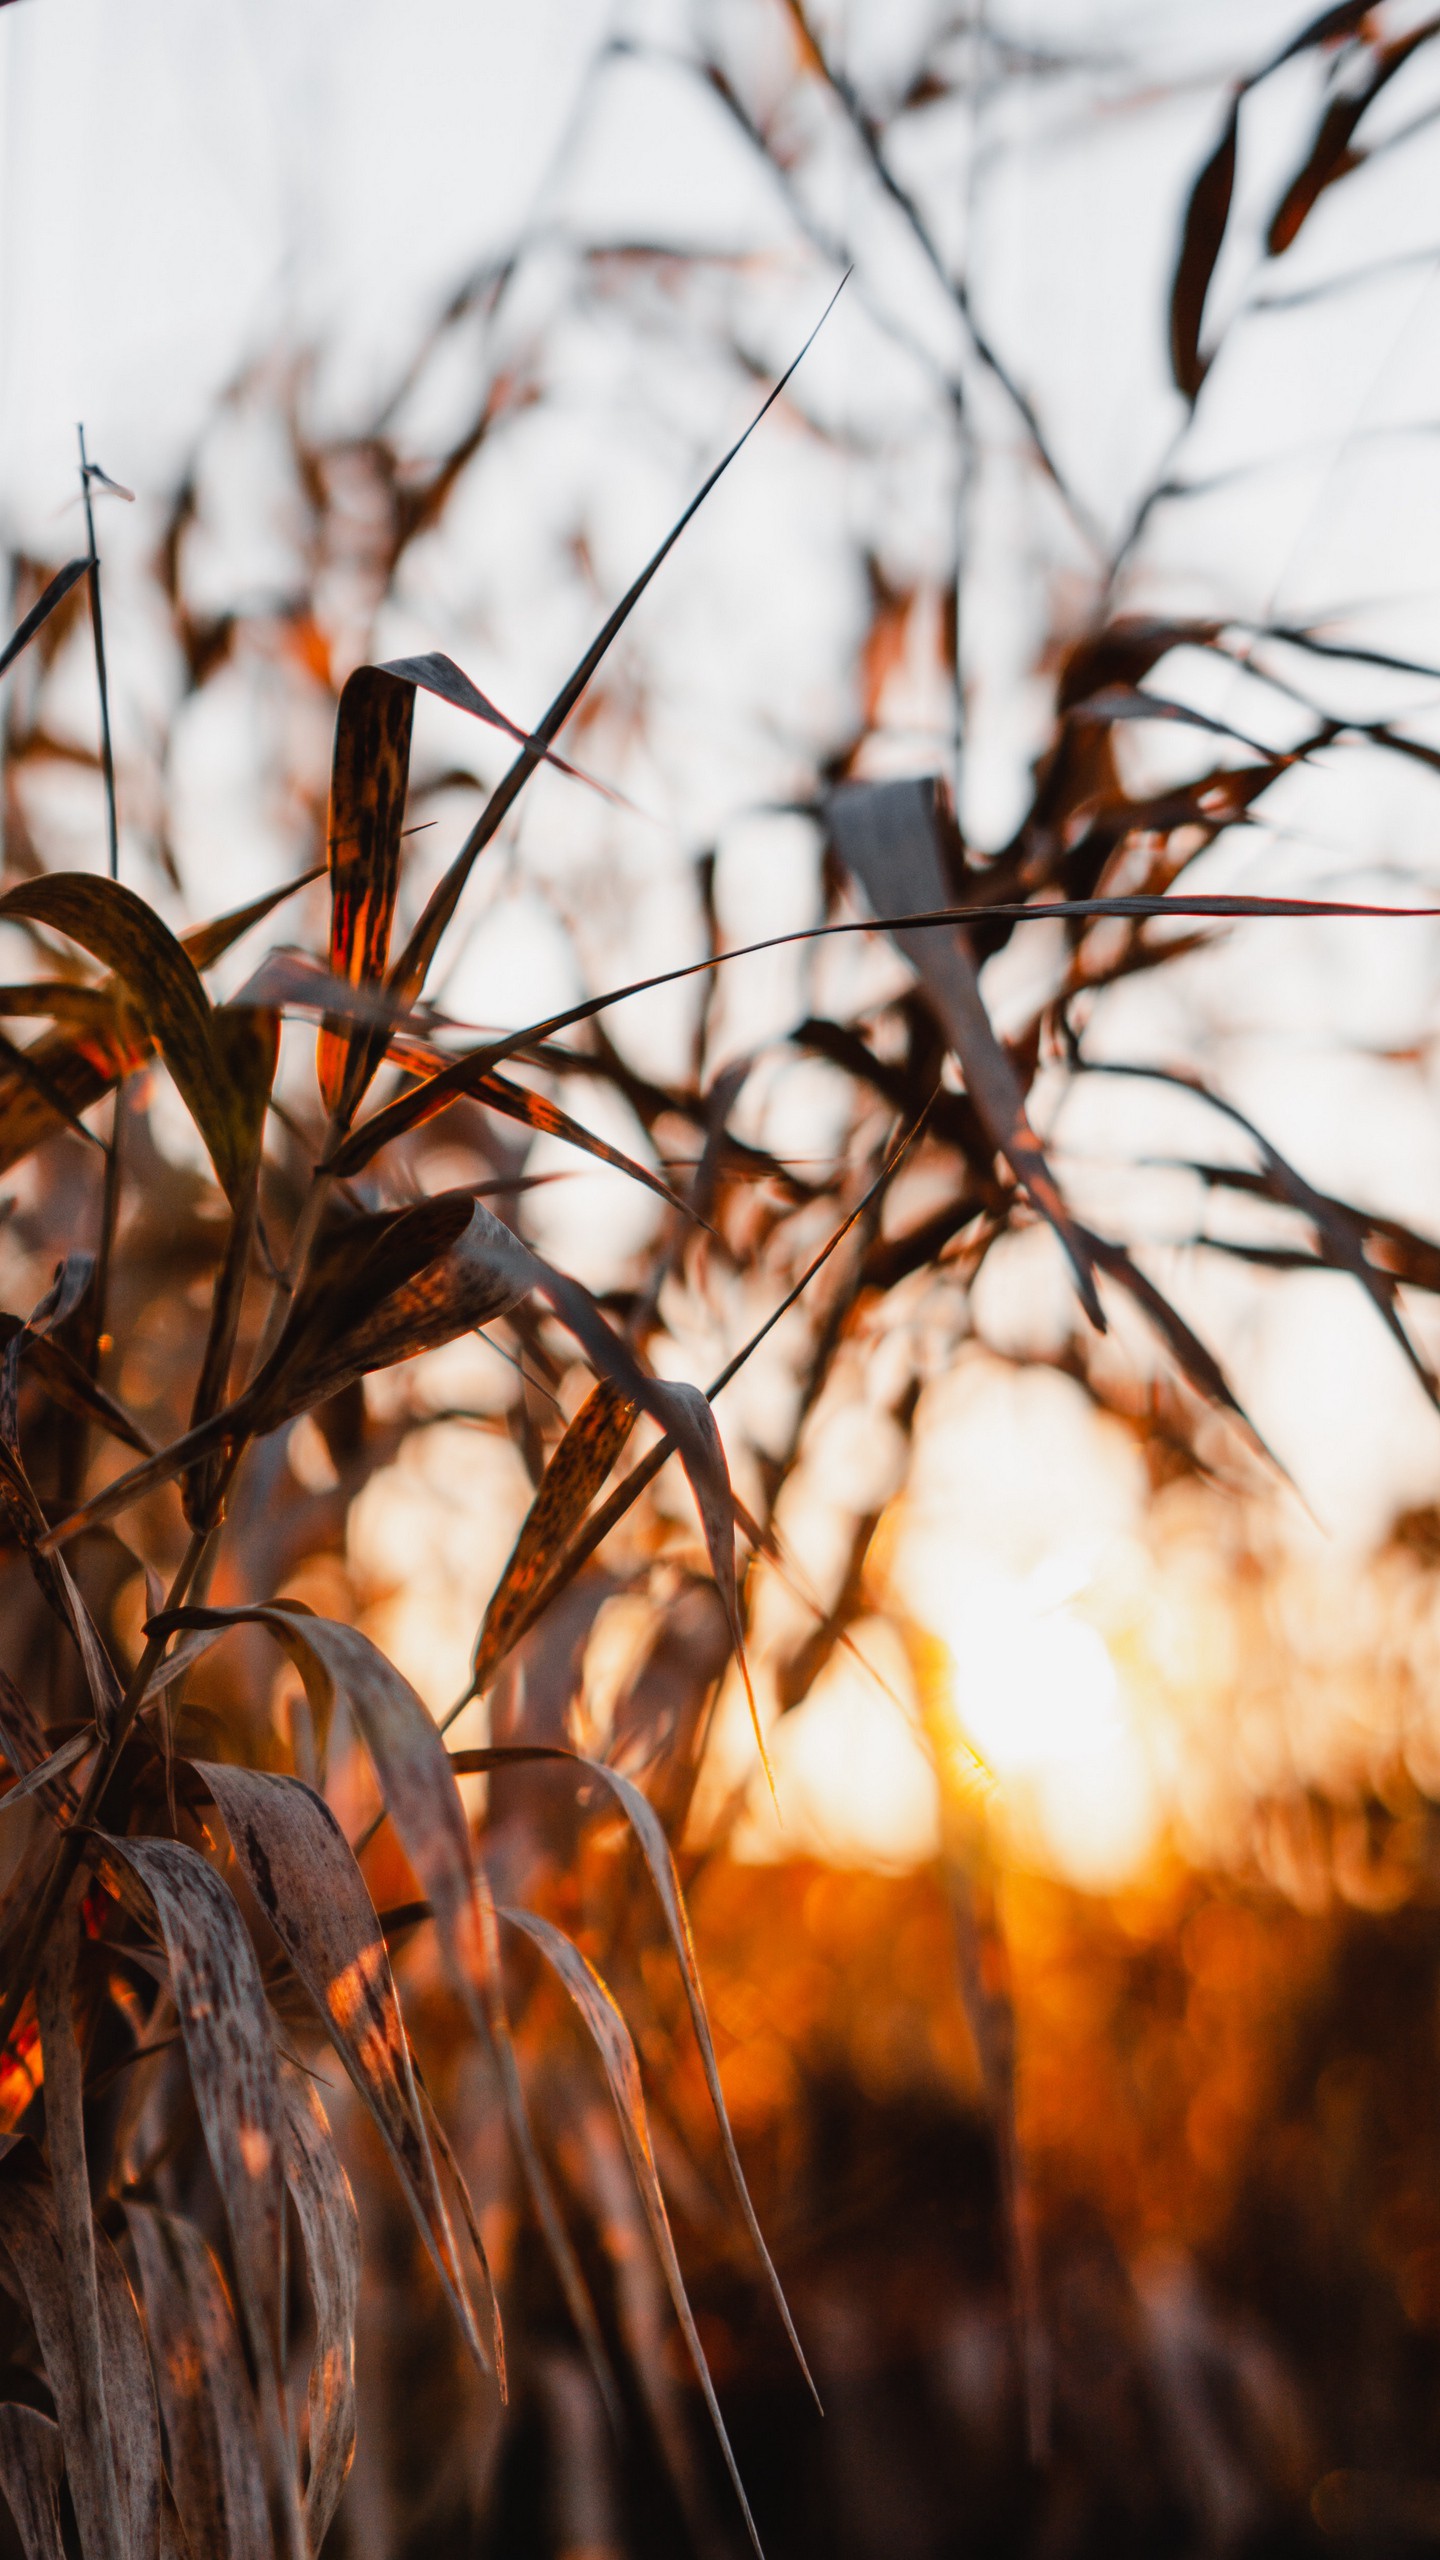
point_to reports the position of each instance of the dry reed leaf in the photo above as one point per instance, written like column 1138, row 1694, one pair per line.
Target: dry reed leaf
column 591, row 1444
column 229, row 2046
column 1203, row 230
column 418, row 1785
column 330, row 2229
column 46, row 1088
column 659, row 1859
column 885, row 833
column 369, row 775
column 204, row 2389
column 32, row 2466
column 92, row 2466
column 612, row 2041
column 123, row 2457
column 40, row 612
column 300, row 1868
column 217, row 1059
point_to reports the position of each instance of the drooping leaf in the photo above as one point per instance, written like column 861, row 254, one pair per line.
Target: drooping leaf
column 205, row 2391
column 300, row 1868
column 1203, row 230
column 32, row 2466
column 886, row 835
column 66, row 2321
column 612, row 2042
column 575, row 1474
column 40, row 612
column 1341, row 1231
column 125, row 2453
column 330, row 2229
column 420, row 1792
column 207, row 1055
column 229, row 2047
column 92, row 2467
column 655, row 1849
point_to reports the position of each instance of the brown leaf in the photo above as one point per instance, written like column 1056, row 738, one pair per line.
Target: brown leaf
column 67, row 1071
column 885, row 833
column 612, row 2042
column 125, row 2454
column 368, row 778
column 578, row 1469
column 92, row 2468
column 330, row 2229
column 229, row 2047
column 300, row 1868
column 1203, row 230
column 204, row 2389
column 214, row 1068
column 40, row 2238
column 419, row 1789
column 32, row 2467
column 655, row 1849
column 40, row 612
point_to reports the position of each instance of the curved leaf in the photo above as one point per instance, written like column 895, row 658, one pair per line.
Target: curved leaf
column 575, row 1474
column 1201, row 235
column 32, row 2467
column 655, row 1849
column 204, row 2389
column 300, row 1868
column 612, row 2042
column 330, row 2229
column 230, row 2049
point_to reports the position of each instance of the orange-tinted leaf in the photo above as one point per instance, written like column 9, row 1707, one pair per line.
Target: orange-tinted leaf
column 655, row 1849
column 205, row 2391
column 118, row 928
column 420, row 1792
column 576, row 1472
column 369, row 775
column 330, row 2229
column 612, row 2042
column 300, row 1868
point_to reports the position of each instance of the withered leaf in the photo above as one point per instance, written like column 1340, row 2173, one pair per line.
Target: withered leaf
column 32, row 2466
column 612, row 2042
column 92, row 2467
column 575, row 1474
column 40, row 612
column 369, row 775
column 302, row 1872
column 205, row 2391
column 1203, row 230
column 229, row 2046
column 655, row 1849
column 330, row 2229
column 885, row 833
column 420, row 1792
column 212, row 1059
